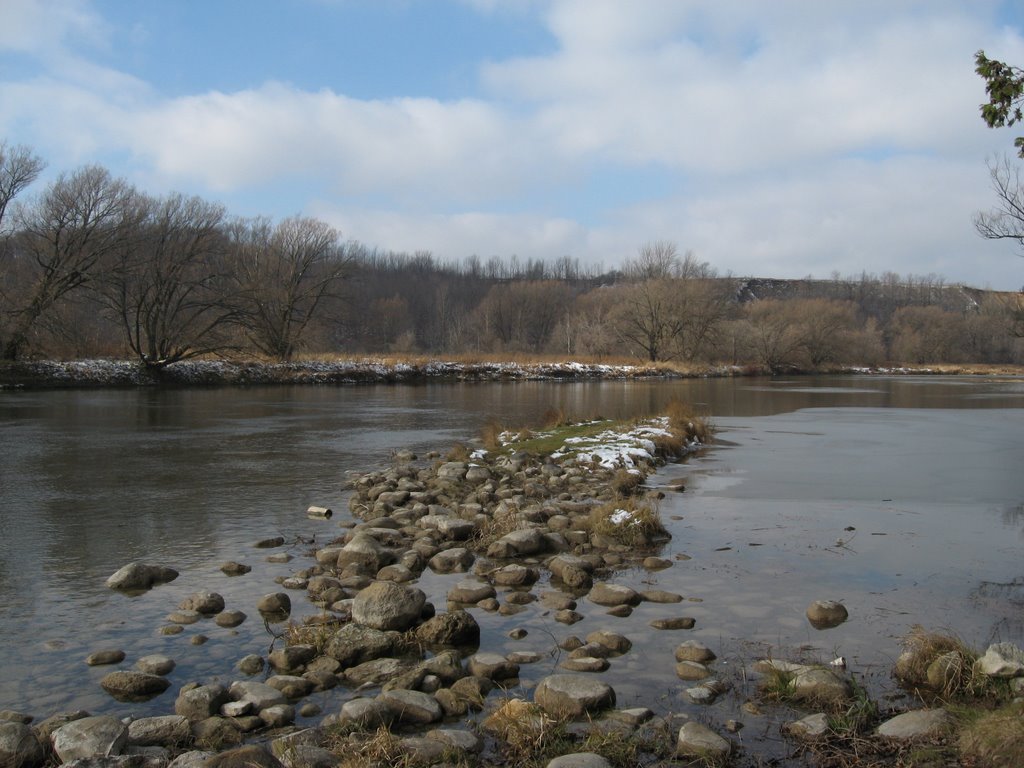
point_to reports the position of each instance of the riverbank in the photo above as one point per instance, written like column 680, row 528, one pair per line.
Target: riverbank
column 519, row 530
column 103, row 373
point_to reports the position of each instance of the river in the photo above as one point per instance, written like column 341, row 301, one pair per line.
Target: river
column 901, row 496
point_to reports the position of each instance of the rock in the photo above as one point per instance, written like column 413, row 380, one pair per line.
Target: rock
column 918, row 723
column 456, row 739
column 229, row 619
column 155, row 664
column 278, row 715
column 200, row 703
column 275, row 604
column 692, row 670
column 585, row 664
column 99, row 658
column 470, row 592
column 184, row 617
column 236, row 709
column 455, row 628
column 696, row 740
column 677, row 622
column 270, row 543
column 525, row 541
column 824, row 614
column 454, row 560
column 292, row 657
column 11, row 716
column 19, row 747
column 656, row 563
column 573, row 695
column 606, row 594
column 251, row 664
column 385, row 605
column 820, row 686
column 354, row 644
column 377, row 671
column 365, row 551
column 412, row 707
column 1003, row 660
column 291, row 686
column 568, row 617
column 44, row 730
column 164, row 731
column 249, row 756
column 661, row 596
column 231, row 568
column 692, row 650
column 579, row 760
column 493, row 666
column 204, row 602
column 127, row 685
column 89, row 737
column 945, row 669
column 193, row 759
column 366, row 713
column 260, row 695
column 613, row 641
column 514, row 575
column 138, row 576
column 810, row 727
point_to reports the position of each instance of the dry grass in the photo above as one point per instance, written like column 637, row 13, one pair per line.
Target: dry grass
column 955, row 675
column 683, row 420
column 490, row 435
column 458, row 452
column 314, row 631
column 627, row 521
column 995, row 739
column 626, row 483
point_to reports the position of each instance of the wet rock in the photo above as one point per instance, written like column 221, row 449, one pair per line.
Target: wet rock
column 620, row 611
column 696, row 740
column 454, row 560
column 707, row 691
column 585, row 664
column 1004, row 660
column 455, row 628
column 88, row 737
column 606, row 594
column 458, row 740
column 573, row 695
column 201, row 702
column 269, row 543
column 364, row 550
column 199, row 639
column 656, row 563
column 184, row 617
column 100, row 658
column 515, row 575
column 278, row 715
column 139, row 576
column 377, row 671
column 385, row 605
column 11, row 716
column 275, row 604
column 525, row 541
column 613, row 641
column 251, row 664
column 231, row 568
column 568, row 617
column 229, row 619
column 470, row 592
column 163, row 731
column 493, row 666
column 412, row 707
column 824, row 614
column 155, row 664
column 916, row 724
column 661, row 596
column 19, row 747
column 193, row 759
column 204, row 602
column 354, row 644
column 260, row 695
column 127, row 685
column 811, row 727
column 677, row 622
column 692, row 670
column 292, row 657
column 291, row 686
column 248, row 756
column 693, row 650
column 366, row 713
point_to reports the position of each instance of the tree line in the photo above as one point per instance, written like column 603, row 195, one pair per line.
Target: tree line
column 92, row 266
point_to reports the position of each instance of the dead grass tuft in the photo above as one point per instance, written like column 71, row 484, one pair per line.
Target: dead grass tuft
column 995, row 739
column 630, row 522
column 685, row 421
column 626, row 483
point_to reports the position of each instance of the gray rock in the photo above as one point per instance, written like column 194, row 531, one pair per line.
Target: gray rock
column 232, row 568
column 154, row 757
column 291, row 686
column 454, row 560
column 692, row 650
column 824, row 614
column 260, row 695
column 90, row 737
column 456, row 739
column 353, row 644
column 129, row 685
column 674, row 622
column 493, row 666
column 200, row 703
column 514, row 575
column 249, row 756
column 194, row 759
column 292, row 657
column 276, row 603
column 229, row 619
column 155, row 664
column 412, row 707
column 251, row 664
column 606, row 594
column 579, row 760
column 820, row 686
column 573, row 695
column 138, row 576
column 696, row 740
column 204, row 602
column 585, row 664
column 366, row 713
column 385, row 605
column 278, row 715
column 184, row 616
column 470, row 592
column 613, row 641
column 109, row 656
column 692, row 670
column 165, row 731
column 1003, row 660
column 810, row 727
column 11, row 716
column 19, row 747
column 364, row 550
column 455, row 628
column 525, row 541
column 916, row 724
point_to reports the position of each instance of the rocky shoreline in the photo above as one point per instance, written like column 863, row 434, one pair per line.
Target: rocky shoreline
column 559, row 518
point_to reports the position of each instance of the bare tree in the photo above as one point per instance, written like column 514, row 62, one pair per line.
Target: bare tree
column 656, row 260
column 60, row 238
column 284, row 274
column 1006, row 221
column 167, row 285
column 19, row 167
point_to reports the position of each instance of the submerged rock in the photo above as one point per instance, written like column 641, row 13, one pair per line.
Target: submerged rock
column 139, row 576
column 573, row 695
column 129, row 685
column 385, row 605
column 825, row 614
column 696, row 740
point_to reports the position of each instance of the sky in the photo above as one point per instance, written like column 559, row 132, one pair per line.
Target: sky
column 772, row 138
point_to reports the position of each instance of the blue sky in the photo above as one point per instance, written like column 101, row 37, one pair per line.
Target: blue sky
column 779, row 139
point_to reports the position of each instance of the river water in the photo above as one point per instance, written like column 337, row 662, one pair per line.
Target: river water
column 901, row 496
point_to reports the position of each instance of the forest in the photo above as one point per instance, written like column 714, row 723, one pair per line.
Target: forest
column 90, row 266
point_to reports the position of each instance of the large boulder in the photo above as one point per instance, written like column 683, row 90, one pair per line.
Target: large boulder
column 201, row 702
column 204, row 602
column 386, row 605
column 455, row 628
column 90, row 737
column 19, row 747
column 364, row 550
column 696, row 740
column 139, row 576
column 825, row 614
column 1002, row 660
column 412, row 707
column 129, row 685
column 525, row 541
column 606, row 594
column 573, row 695
column 249, row 756
column 163, row 731
column 916, row 724
column 260, row 695
column 353, row 644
